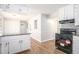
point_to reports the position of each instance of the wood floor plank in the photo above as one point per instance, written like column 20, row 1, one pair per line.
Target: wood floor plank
column 47, row 47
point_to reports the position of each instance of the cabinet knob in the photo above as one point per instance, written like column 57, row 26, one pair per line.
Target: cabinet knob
column 6, row 44
column 0, row 44
column 21, row 41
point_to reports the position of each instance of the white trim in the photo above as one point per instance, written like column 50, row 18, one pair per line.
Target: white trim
column 36, row 39
column 43, row 40
column 46, row 40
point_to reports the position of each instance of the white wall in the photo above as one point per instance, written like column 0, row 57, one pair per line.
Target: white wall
column 11, row 26
column 52, row 27
column 11, row 23
column 35, row 33
column 48, row 28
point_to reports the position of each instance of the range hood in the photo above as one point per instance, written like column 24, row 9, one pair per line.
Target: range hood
column 67, row 21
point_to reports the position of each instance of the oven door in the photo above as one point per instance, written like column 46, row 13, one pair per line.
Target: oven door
column 64, row 42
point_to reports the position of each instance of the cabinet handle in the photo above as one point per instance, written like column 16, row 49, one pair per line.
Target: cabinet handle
column 0, row 44
column 19, row 41
column 6, row 44
column 8, row 47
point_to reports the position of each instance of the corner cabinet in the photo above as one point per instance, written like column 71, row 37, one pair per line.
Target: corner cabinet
column 14, row 44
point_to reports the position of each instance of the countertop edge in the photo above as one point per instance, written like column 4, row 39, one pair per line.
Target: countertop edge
column 15, row 34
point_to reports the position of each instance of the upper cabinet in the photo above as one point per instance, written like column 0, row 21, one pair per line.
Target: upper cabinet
column 66, row 12
column 61, row 14
column 70, row 12
column 76, row 14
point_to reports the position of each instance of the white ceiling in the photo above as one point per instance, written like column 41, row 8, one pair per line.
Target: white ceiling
column 45, row 8
column 30, row 9
column 42, row 8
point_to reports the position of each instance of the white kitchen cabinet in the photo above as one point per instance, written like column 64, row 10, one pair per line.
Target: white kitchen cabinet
column 69, row 12
column 4, row 46
column 66, row 12
column 75, row 44
column 14, row 44
column 76, row 14
column 25, row 42
column 61, row 14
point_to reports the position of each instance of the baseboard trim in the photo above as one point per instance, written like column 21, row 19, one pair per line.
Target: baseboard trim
column 35, row 39
column 46, row 40
column 43, row 40
column 22, row 51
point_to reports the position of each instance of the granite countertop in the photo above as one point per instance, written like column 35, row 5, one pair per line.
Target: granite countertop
column 15, row 34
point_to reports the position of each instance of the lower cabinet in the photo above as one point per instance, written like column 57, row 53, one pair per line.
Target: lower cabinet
column 14, row 44
column 4, row 48
column 75, row 44
column 25, row 44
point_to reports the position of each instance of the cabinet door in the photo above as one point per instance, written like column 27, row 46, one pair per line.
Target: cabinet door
column 68, row 12
column 14, row 46
column 4, row 45
column 76, row 45
column 25, row 43
column 76, row 14
column 4, row 48
column 61, row 14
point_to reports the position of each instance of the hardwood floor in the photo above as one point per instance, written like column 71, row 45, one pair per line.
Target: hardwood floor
column 42, row 48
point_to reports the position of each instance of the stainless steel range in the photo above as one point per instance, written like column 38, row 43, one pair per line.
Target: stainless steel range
column 64, row 40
